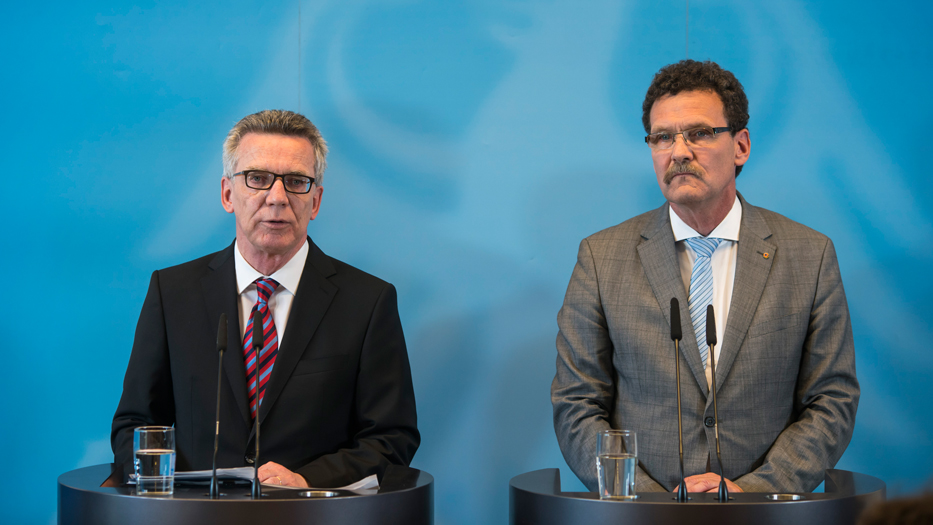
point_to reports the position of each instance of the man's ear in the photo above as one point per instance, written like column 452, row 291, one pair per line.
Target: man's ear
column 226, row 193
column 316, row 201
column 743, row 146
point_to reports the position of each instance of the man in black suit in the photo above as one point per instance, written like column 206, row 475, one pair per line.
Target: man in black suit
column 335, row 398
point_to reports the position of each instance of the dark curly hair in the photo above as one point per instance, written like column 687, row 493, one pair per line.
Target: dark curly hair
column 691, row 75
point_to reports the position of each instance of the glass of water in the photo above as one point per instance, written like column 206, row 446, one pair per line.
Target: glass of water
column 616, row 458
column 154, row 460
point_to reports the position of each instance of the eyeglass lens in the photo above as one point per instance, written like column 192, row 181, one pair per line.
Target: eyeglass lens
column 696, row 136
column 263, row 180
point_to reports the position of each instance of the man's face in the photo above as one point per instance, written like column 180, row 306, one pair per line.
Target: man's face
column 271, row 222
column 696, row 176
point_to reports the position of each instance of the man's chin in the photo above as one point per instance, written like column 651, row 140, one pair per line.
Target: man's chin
column 278, row 243
column 685, row 195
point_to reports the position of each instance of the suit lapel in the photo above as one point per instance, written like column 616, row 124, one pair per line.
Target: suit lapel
column 659, row 259
column 752, row 267
column 220, row 295
column 311, row 302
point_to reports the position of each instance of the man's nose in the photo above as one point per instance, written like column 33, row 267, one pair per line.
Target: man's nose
column 680, row 149
column 277, row 193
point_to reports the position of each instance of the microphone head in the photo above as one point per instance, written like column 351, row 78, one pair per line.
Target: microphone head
column 676, row 332
column 222, row 333
column 257, row 331
column 710, row 326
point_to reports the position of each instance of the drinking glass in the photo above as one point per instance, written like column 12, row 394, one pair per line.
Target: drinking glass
column 616, row 458
column 154, row 460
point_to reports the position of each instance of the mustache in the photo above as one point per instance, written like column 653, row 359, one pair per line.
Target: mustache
column 680, row 168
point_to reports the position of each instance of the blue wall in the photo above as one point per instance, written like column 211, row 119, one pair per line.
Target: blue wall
column 473, row 146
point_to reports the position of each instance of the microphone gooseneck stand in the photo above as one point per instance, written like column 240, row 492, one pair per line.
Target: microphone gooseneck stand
column 676, row 336
column 257, row 347
column 723, row 496
column 221, row 347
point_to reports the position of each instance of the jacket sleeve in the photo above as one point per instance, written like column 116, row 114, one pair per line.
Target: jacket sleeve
column 147, row 387
column 386, row 431
column 583, row 390
column 826, row 396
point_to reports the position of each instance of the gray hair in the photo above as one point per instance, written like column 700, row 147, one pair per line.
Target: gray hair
column 279, row 122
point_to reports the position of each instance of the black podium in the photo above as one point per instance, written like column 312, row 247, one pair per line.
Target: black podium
column 535, row 498
column 405, row 497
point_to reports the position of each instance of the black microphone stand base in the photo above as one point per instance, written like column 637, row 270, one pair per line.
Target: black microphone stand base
column 682, row 492
column 723, row 496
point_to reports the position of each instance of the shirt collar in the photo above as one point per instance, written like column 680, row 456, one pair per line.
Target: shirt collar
column 287, row 276
column 728, row 229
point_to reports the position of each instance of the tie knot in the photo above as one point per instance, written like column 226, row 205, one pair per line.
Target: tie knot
column 704, row 246
column 265, row 286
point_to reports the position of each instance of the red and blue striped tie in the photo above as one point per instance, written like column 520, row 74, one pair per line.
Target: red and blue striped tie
column 270, row 348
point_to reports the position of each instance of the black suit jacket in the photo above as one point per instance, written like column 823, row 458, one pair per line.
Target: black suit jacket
column 339, row 405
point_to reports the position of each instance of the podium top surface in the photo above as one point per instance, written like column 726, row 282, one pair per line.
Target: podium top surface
column 838, row 484
column 93, row 478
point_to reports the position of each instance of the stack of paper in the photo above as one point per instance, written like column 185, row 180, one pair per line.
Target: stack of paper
column 367, row 485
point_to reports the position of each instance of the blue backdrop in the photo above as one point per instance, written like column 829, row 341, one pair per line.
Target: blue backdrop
column 473, row 146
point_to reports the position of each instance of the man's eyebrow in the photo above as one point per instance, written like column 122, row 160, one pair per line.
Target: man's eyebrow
column 254, row 168
column 692, row 125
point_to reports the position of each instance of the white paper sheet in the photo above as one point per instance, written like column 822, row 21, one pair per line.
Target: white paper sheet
column 367, row 485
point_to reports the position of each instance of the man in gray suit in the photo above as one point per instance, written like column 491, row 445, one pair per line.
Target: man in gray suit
column 785, row 369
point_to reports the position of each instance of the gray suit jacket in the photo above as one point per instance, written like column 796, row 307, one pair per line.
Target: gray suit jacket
column 786, row 385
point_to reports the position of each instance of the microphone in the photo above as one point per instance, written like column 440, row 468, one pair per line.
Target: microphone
column 676, row 332
column 711, row 341
column 676, row 336
column 257, row 346
column 221, row 347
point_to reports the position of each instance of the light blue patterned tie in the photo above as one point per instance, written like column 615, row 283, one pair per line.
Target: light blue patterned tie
column 701, row 288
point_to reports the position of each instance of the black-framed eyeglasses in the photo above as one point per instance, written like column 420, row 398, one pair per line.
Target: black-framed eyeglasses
column 702, row 136
column 263, row 180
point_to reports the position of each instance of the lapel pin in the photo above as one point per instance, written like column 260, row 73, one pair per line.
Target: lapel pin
column 766, row 255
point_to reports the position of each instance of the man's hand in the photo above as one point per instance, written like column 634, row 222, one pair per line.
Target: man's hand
column 708, row 482
column 275, row 474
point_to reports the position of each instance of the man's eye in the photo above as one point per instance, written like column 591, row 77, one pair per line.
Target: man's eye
column 665, row 137
column 258, row 179
column 700, row 133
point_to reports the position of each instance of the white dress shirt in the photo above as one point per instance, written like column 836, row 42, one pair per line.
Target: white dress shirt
column 722, row 263
column 280, row 302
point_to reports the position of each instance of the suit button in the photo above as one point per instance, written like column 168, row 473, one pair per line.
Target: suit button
column 249, row 459
column 710, row 422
